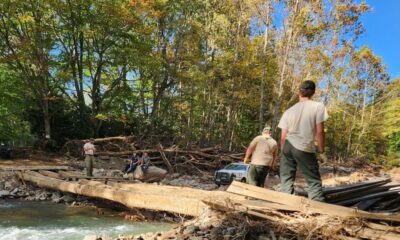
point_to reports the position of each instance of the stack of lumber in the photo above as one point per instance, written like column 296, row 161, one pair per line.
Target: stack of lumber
column 317, row 220
column 379, row 195
column 172, row 158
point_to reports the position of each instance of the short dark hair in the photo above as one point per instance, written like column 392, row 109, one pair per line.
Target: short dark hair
column 307, row 88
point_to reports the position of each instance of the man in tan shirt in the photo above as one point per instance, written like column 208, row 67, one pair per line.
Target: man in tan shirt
column 301, row 125
column 263, row 152
column 89, row 150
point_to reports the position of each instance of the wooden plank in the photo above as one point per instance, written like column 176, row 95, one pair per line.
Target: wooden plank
column 351, row 201
column 364, row 205
column 169, row 203
column 354, row 193
column 305, row 205
column 34, row 168
column 331, row 190
column 50, row 174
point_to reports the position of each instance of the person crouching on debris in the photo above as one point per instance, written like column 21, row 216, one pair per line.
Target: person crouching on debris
column 89, row 150
column 132, row 163
column 145, row 161
column 301, row 124
column 263, row 152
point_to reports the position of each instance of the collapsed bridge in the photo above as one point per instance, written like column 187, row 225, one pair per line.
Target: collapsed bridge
column 239, row 197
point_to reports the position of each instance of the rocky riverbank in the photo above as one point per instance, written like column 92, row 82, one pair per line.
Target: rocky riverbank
column 11, row 187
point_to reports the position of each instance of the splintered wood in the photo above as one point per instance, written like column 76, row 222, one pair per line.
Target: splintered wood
column 296, row 213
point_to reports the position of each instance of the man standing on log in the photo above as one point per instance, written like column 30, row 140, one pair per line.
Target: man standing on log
column 89, row 150
column 301, row 124
column 263, row 152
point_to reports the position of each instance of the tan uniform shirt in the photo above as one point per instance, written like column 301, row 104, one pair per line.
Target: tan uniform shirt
column 89, row 148
column 264, row 149
column 300, row 120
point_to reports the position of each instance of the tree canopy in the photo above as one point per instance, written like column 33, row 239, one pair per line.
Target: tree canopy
column 204, row 72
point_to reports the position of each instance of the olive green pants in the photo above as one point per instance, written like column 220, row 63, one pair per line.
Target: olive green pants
column 89, row 159
column 257, row 175
column 308, row 166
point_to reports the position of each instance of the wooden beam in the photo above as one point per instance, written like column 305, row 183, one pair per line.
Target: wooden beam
column 171, row 202
column 34, row 168
column 50, row 174
column 305, row 205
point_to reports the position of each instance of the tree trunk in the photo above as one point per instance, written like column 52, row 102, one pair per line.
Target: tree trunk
column 264, row 76
column 46, row 118
column 279, row 90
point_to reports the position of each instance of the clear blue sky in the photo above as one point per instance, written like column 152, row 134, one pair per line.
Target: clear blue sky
column 382, row 32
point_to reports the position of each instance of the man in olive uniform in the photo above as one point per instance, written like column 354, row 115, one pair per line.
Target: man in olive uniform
column 89, row 150
column 301, row 125
column 263, row 152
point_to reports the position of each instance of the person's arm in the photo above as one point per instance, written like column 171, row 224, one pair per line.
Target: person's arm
column 283, row 137
column 274, row 158
column 249, row 151
column 320, row 136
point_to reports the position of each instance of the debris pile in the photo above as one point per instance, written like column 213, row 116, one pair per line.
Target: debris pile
column 171, row 157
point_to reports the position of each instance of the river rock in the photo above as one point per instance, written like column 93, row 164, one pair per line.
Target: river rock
column 4, row 193
column 15, row 191
column 56, row 197
column 152, row 174
column 67, row 199
column 7, row 185
column 190, row 230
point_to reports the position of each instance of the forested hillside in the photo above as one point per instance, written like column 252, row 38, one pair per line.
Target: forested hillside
column 202, row 72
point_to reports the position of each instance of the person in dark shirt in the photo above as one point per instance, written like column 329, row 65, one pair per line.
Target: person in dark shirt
column 132, row 163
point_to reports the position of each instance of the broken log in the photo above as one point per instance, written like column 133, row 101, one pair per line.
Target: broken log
column 165, row 159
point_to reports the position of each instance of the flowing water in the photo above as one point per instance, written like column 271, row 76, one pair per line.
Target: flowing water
column 25, row 220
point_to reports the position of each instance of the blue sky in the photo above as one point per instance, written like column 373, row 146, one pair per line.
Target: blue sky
column 382, row 32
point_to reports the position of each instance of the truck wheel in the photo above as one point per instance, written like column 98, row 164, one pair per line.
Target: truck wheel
column 243, row 180
column 232, row 178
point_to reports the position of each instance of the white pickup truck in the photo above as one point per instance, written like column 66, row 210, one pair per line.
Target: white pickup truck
column 233, row 171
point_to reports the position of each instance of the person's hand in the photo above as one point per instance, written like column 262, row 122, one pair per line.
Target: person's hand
column 323, row 157
column 246, row 160
column 275, row 167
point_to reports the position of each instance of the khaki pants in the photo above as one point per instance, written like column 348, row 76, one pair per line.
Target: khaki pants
column 89, row 159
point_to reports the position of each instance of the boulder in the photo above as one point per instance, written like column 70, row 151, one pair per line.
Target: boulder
column 152, row 174
column 67, row 199
column 4, row 193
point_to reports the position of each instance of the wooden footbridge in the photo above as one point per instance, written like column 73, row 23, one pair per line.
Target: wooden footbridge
column 239, row 197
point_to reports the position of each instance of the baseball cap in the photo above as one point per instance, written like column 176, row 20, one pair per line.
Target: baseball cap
column 266, row 129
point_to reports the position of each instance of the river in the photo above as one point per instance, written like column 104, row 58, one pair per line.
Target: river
column 27, row 220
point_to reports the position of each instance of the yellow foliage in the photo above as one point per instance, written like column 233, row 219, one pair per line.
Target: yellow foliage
column 26, row 19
